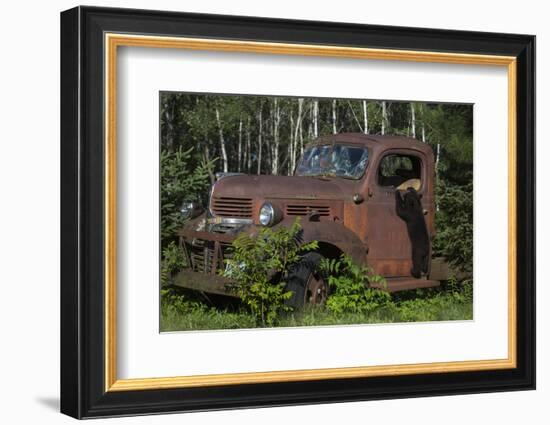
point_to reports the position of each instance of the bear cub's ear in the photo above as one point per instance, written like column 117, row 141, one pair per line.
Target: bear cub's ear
column 413, row 191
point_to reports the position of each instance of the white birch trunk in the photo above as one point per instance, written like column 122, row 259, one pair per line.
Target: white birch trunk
column 301, row 134
column 276, row 121
column 384, row 117
column 222, row 142
column 259, row 141
column 298, row 133
column 239, row 153
column 422, row 118
column 248, row 147
column 413, row 121
column 206, row 155
column 315, row 118
column 365, row 118
column 355, row 117
column 291, row 146
column 438, row 150
column 334, row 116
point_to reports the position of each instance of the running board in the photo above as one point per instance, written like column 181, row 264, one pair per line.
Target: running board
column 396, row 284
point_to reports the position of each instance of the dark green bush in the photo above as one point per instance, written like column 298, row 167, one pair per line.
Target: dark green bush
column 454, row 223
column 179, row 183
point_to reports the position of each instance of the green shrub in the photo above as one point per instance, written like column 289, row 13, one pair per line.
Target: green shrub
column 454, row 223
column 173, row 300
column 259, row 268
column 179, row 183
column 172, row 261
column 351, row 285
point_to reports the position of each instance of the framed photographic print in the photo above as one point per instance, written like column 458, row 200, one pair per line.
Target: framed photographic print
column 261, row 212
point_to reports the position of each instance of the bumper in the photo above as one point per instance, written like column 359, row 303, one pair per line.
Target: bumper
column 212, row 284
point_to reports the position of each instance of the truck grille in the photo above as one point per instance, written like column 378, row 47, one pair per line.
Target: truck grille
column 203, row 256
column 232, row 207
column 322, row 210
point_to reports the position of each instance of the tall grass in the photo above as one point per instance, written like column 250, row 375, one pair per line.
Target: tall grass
column 183, row 311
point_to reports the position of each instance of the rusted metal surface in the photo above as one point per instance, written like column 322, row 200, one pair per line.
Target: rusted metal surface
column 204, row 235
column 355, row 217
column 214, row 284
column 405, row 283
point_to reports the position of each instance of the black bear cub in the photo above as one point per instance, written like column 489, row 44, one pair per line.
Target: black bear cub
column 409, row 208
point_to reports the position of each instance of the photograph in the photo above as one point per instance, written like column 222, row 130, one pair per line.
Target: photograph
column 301, row 211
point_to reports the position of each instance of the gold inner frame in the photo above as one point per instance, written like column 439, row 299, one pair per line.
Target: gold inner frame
column 113, row 41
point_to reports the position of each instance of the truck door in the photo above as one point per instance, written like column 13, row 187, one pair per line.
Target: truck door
column 389, row 247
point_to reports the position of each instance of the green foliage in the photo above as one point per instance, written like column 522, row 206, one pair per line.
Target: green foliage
column 173, row 299
column 178, row 183
column 454, row 301
column 460, row 291
column 172, row 261
column 451, row 127
column 352, row 291
column 180, row 310
column 259, row 267
column 454, row 223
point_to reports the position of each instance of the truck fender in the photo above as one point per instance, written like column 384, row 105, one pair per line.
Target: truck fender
column 331, row 233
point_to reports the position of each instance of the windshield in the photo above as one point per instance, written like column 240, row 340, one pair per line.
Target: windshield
column 333, row 160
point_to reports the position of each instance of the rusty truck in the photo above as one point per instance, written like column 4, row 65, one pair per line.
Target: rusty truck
column 343, row 189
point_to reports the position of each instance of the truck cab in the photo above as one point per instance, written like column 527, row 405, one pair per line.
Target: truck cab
column 344, row 191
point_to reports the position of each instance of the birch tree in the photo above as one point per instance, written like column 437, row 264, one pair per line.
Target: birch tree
column 334, row 130
column 259, row 139
column 413, row 121
column 362, row 127
column 365, row 117
column 315, row 112
column 248, row 150
column 291, row 145
column 239, row 150
column 275, row 145
column 423, row 129
column 297, row 135
column 222, row 142
column 384, row 118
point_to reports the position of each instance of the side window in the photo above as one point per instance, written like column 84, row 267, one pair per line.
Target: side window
column 398, row 170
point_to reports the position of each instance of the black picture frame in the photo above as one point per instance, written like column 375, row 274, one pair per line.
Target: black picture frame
column 83, row 392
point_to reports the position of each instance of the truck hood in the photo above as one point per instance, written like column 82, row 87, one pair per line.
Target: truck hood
column 284, row 187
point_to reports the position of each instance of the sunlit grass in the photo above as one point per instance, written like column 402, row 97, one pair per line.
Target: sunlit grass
column 182, row 311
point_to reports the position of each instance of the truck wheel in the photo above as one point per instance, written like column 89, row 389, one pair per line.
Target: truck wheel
column 306, row 283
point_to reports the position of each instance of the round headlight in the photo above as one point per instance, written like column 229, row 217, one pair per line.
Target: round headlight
column 187, row 209
column 267, row 214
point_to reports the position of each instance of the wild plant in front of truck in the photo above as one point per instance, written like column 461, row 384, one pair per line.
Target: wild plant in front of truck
column 259, row 267
column 351, row 290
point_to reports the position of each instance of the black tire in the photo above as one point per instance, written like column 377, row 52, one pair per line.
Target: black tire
column 306, row 283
